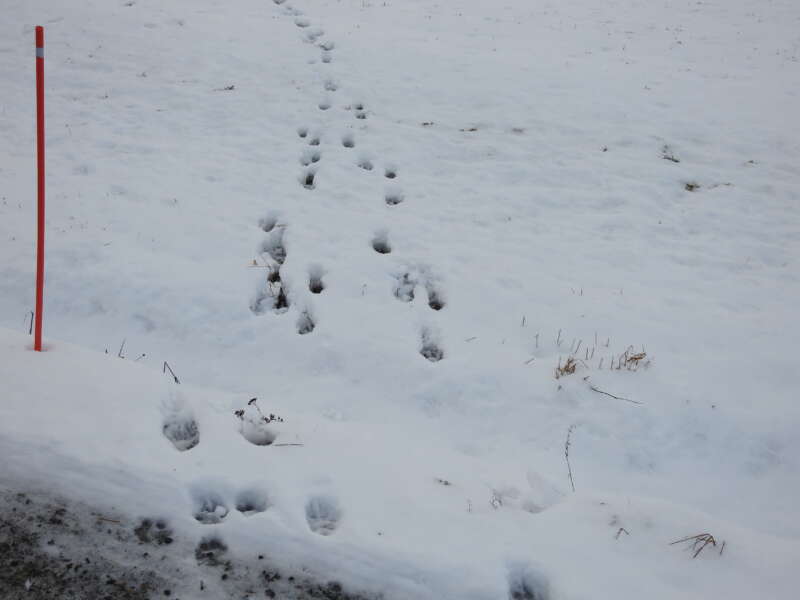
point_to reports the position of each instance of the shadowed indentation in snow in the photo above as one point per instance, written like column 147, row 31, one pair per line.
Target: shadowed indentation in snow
column 305, row 323
column 310, row 156
column 327, row 45
column 302, row 22
column 179, row 425
column 361, row 114
column 313, row 141
column 404, row 288
column 348, row 141
column 307, row 179
column 313, row 35
column 323, row 514
column 153, row 531
column 430, row 348
column 273, row 245
column 526, row 584
column 252, row 501
column 393, row 198
column 267, row 224
column 315, row 283
column 302, row 131
column 380, row 243
column 211, row 551
column 365, row 164
column 209, row 506
column 272, row 295
column 182, row 432
column 326, row 57
column 435, row 299
column 331, row 86
column 390, row 173
column 324, row 105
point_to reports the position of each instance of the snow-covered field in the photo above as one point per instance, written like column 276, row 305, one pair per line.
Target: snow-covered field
column 394, row 223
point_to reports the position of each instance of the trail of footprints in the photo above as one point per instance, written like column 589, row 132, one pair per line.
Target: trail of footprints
column 274, row 295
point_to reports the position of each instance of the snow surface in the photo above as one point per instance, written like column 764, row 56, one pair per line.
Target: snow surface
column 512, row 164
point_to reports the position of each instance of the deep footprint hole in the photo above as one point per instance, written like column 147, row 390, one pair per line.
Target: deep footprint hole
column 430, row 348
column 393, row 198
column 267, row 224
column 315, row 283
column 435, row 300
column 380, row 244
column 348, row 141
column 305, row 323
column 525, row 584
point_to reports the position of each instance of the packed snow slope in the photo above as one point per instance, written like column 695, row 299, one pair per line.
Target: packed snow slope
column 440, row 240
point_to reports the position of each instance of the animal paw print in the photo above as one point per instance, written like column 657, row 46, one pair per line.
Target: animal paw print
column 323, row 515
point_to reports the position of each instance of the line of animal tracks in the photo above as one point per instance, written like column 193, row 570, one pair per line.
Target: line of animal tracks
column 273, row 294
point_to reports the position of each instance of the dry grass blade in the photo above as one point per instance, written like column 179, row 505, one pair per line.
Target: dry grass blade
column 699, row 542
column 568, row 368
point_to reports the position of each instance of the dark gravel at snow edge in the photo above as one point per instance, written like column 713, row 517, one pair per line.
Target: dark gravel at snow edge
column 57, row 549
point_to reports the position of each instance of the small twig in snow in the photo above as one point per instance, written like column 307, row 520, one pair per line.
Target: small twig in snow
column 566, row 455
column 599, row 391
column 99, row 518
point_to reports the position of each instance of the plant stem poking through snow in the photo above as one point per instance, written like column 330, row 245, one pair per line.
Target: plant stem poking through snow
column 566, row 455
column 254, row 426
column 699, row 542
column 171, row 372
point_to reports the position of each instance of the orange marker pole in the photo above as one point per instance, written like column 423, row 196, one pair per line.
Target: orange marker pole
column 37, row 344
